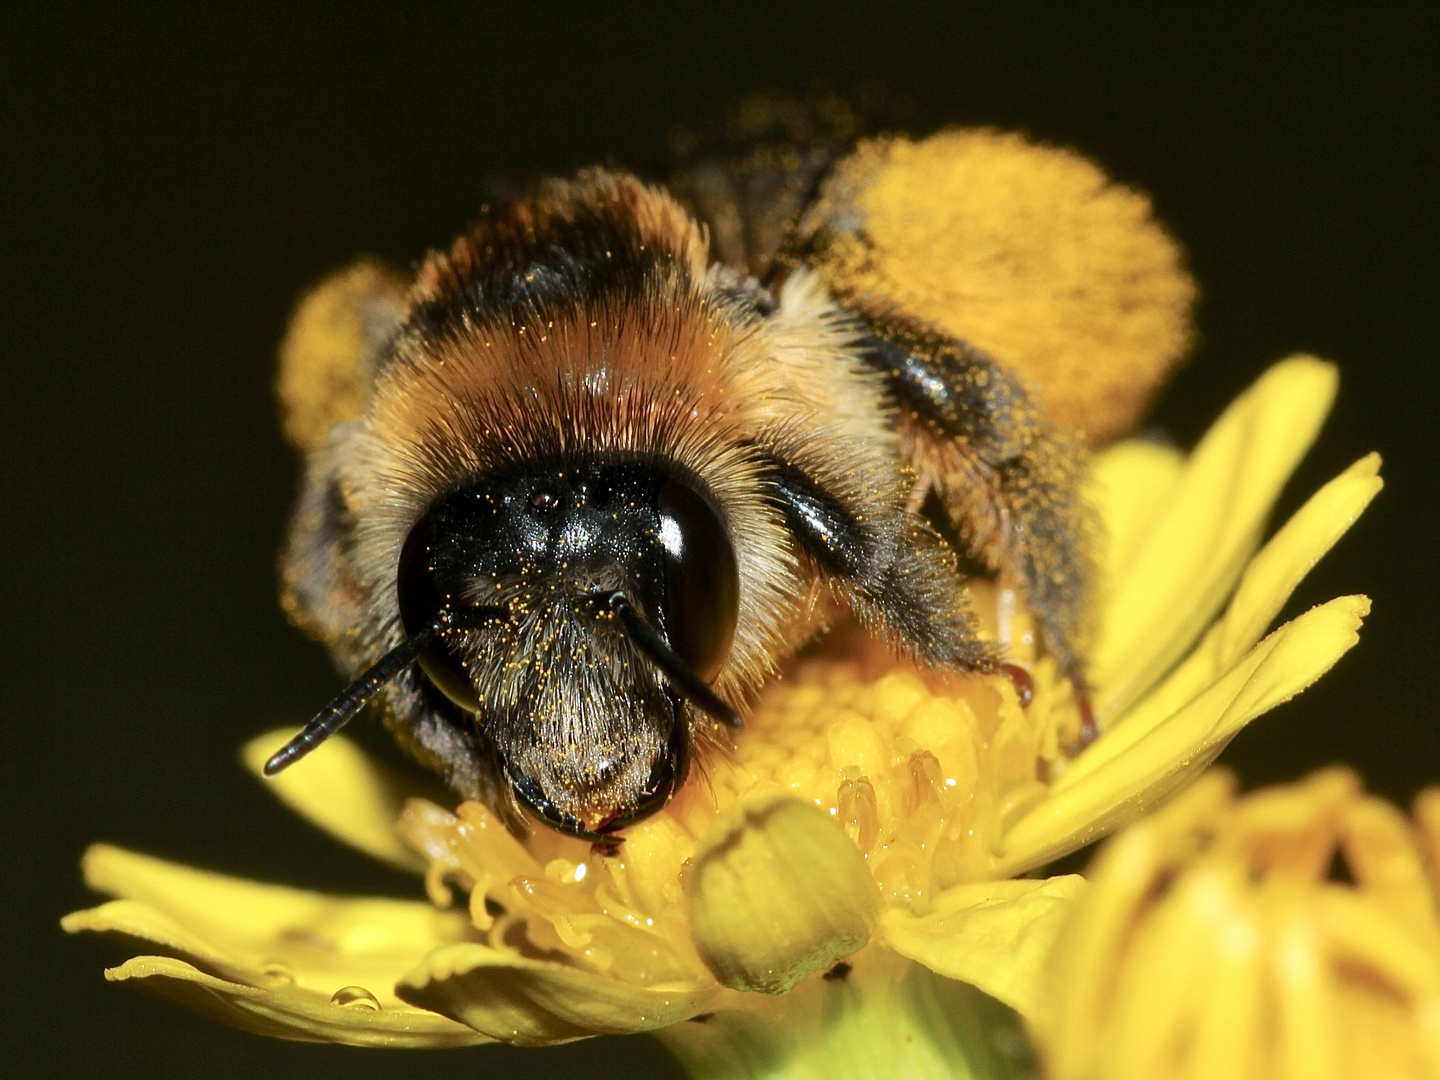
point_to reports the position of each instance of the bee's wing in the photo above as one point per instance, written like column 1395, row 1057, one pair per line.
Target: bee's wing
column 749, row 180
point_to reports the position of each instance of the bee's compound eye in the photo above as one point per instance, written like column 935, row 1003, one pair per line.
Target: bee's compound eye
column 421, row 597
column 702, row 583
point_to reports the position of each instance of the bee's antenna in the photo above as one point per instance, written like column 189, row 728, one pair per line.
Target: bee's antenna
column 690, row 685
column 354, row 697
column 351, row 700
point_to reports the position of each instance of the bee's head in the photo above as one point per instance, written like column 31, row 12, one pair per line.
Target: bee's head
column 612, row 594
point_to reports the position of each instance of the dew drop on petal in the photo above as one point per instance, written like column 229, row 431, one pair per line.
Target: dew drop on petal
column 277, row 974
column 355, row 997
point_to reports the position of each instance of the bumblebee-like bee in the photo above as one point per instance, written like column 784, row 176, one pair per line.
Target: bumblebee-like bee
column 576, row 489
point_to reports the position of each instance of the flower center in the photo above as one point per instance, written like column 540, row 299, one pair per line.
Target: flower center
column 924, row 772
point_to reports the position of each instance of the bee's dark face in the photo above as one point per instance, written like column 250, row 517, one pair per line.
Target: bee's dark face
column 586, row 730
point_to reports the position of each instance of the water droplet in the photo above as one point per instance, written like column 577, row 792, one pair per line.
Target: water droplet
column 277, row 974
column 355, row 997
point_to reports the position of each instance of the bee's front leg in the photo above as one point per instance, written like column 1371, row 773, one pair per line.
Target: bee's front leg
column 1008, row 478
column 889, row 567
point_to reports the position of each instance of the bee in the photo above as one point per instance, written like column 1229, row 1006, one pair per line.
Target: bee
column 576, row 488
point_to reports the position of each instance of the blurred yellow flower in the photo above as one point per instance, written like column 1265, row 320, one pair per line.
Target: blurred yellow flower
column 869, row 812
column 1216, row 943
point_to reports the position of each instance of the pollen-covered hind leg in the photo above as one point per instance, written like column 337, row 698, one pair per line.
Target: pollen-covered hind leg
column 1008, row 479
column 331, row 349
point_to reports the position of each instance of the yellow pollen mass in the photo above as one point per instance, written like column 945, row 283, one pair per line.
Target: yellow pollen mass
column 1027, row 252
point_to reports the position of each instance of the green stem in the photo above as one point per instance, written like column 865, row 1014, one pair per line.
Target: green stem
column 887, row 1017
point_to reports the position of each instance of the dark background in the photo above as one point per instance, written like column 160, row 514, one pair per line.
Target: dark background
column 170, row 183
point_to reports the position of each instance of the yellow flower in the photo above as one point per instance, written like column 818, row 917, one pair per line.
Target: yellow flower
column 1215, row 942
column 869, row 812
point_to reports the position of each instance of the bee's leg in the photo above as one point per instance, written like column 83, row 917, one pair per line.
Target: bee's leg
column 889, row 567
column 1009, row 479
column 319, row 588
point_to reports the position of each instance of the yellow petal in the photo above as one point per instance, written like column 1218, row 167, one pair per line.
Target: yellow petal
column 1305, row 1003
column 1380, row 848
column 1267, row 583
column 995, row 935
column 1200, row 541
column 1293, row 552
column 264, row 936
column 143, row 926
column 1128, row 486
column 1274, row 671
column 1232, row 1008
column 1083, row 975
column 538, row 1002
column 777, row 891
column 1213, row 941
column 340, row 789
column 289, row 1012
column 1143, row 1015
